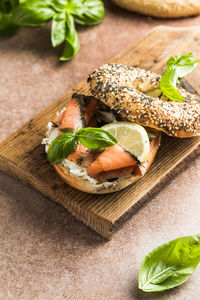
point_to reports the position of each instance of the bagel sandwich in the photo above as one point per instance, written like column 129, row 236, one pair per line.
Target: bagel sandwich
column 100, row 171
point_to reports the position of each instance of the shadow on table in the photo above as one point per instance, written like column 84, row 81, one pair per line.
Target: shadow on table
column 31, row 39
column 137, row 294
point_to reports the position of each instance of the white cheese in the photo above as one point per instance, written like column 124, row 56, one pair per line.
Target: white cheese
column 78, row 171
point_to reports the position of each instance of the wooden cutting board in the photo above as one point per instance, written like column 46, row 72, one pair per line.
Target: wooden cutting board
column 23, row 156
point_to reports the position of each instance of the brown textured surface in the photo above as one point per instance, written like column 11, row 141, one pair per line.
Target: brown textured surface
column 44, row 252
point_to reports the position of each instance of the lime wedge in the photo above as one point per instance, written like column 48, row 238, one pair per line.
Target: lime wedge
column 132, row 137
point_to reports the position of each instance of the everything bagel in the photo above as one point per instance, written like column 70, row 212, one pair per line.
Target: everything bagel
column 134, row 94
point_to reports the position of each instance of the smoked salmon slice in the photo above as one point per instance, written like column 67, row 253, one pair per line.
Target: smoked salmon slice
column 112, row 158
column 90, row 108
column 78, row 114
column 73, row 115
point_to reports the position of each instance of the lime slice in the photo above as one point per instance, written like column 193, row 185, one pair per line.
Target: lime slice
column 132, row 137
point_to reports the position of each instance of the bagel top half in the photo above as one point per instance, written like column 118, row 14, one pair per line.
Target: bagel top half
column 134, row 94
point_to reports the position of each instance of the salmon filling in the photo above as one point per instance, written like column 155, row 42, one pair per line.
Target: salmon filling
column 113, row 162
column 112, row 158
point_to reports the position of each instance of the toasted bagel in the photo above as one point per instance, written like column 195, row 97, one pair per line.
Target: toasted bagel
column 127, row 90
column 162, row 9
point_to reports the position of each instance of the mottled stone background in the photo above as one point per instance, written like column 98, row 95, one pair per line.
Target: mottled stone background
column 44, row 252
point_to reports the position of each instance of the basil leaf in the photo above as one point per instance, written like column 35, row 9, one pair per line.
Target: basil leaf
column 61, row 147
column 177, row 67
column 72, row 40
column 58, row 29
column 168, row 84
column 182, row 60
column 170, row 264
column 7, row 24
column 33, row 13
column 59, row 5
column 14, row 3
column 7, row 27
column 8, row 6
column 184, row 64
column 95, row 138
column 88, row 12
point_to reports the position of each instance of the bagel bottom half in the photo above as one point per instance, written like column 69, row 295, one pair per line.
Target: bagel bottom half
column 81, row 183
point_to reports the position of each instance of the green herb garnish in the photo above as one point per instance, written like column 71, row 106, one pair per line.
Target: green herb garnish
column 170, row 264
column 63, row 13
column 64, row 144
column 7, row 10
column 177, row 67
column 61, row 147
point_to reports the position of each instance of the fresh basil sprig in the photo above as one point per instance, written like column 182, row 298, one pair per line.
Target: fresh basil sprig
column 177, row 67
column 170, row 264
column 64, row 144
column 63, row 13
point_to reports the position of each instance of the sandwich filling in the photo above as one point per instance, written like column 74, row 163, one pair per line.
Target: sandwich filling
column 101, row 165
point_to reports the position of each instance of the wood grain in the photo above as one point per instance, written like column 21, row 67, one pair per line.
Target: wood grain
column 23, row 156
